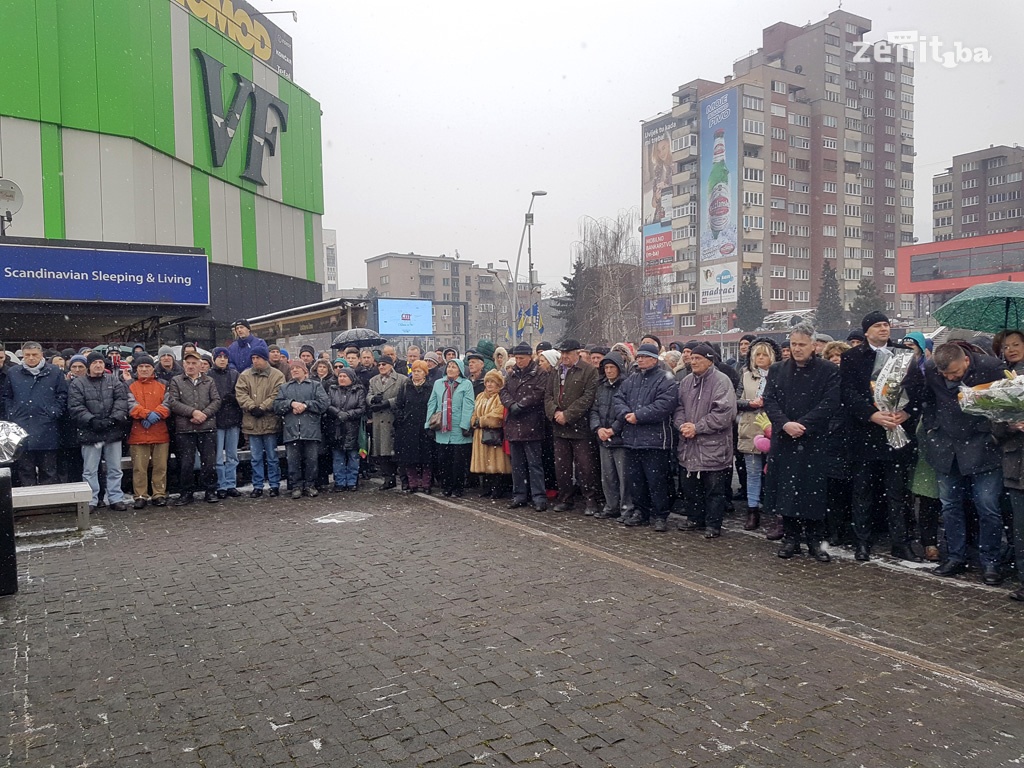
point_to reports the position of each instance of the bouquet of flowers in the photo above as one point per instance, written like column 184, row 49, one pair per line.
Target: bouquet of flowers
column 890, row 396
column 998, row 400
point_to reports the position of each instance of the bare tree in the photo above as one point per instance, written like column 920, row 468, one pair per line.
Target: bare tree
column 611, row 287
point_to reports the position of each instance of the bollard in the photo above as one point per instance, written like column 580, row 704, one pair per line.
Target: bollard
column 8, row 553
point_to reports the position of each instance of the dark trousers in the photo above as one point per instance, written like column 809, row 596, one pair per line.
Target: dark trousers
column 453, row 459
column 705, row 495
column 928, row 512
column 186, row 445
column 838, row 514
column 649, row 481
column 42, row 462
column 302, row 463
column 893, row 476
column 799, row 529
column 581, row 454
column 528, row 471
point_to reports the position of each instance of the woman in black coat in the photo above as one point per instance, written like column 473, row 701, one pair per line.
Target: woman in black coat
column 414, row 445
column 347, row 409
column 322, row 372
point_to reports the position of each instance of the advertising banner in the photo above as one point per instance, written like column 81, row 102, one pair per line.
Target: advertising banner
column 657, row 167
column 43, row 273
column 405, row 317
column 658, row 315
column 241, row 22
column 658, row 253
column 719, row 166
column 718, row 283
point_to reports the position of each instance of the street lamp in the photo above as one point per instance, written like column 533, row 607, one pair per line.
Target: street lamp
column 504, row 287
column 527, row 224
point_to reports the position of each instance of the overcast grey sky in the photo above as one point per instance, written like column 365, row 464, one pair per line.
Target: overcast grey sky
column 441, row 117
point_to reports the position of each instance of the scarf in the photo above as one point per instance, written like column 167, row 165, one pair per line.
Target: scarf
column 446, row 404
column 34, row 371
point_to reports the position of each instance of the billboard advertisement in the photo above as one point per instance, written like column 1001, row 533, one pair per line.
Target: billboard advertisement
column 658, row 315
column 405, row 317
column 657, row 170
column 719, row 166
column 718, row 283
column 44, row 273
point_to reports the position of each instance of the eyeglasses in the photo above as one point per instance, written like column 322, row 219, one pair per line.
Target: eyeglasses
column 338, row 367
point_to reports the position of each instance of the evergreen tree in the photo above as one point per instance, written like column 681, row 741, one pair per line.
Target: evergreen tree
column 867, row 299
column 372, row 293
column 750, row 309
column 569, row 308
column 830, row 313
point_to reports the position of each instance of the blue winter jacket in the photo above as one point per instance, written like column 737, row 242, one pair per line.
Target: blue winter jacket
column 240, row 352
column 36, row 403
column 652, row 395
column 462, row 409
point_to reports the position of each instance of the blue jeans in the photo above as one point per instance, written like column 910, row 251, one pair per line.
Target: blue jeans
column 110, row 453
column 346, row 467
column 755, row 474
column 985, row 490
column 227, row 457
column 264, row 446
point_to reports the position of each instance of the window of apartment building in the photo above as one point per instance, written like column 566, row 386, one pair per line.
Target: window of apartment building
column 994, row 181
column 778, row 294
column 778, row 227
column 971, row 166
column 801, row 297
column 801, row 209
column 829, row 253
column 853, row 232
column 426, row 265
column 831, row 77
column 995, row 162
column 778, row 156
column 852, row 188
column 445, row 266
column 829, row 121
column 753, row 102
column 799, row 230
column 867, row 75
column 867, row 146
column 869, row 218
column 752, row 246
column 687, row 321
column 799, row 252
column 829, row 186
column 828, row 143
column 831, row 58
column 907, row 184
column 383, row 263
column 890, row 218
column 1012, row 213
column 890, row 288
column 906, row 98
column 852, row 253
column 946, row 186
column 851, row 273
column 966, row 202
column 779, row 87
column 778, row 202
column 753, row 126
column 850, row 84
column 427, row 295
column 945, row 205
column 753, row 198
column 906, row 114
column 831, row 40
column 829, row 230
column 889, row 147
column 385, row 279
column 890, row 76
column 890, row 165
column 944, row 221
column 999, row 197
column 829, row 209
column 1013, row 177
column 682, row 142
column 779, row 134
column 779, row 249
column 753, row 222
column 853, row 124
column 890, row 199
column 778, row 110
column 852, row 102
column 906, row 218
column 799, row 186
column 833, row 96
column 890, row 253
column 446, row 281
column 867, row 93
column 799, row 142
column 906, row 79
column 888, row 93
column 867, row 271
column 799, row 274
column 890, row 183
column 804, row 121
column 778, row 271
column 891, row 130
column 851, row 145
column 890, row 112
column 969, row 218
column 753, row 174
column 778, row 180
column 868, row 112
column 801, row 164
column 851, row 210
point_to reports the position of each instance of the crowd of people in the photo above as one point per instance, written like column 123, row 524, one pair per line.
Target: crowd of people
column 629, row 432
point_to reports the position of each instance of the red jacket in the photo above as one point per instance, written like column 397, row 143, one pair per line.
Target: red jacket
column 144, row 396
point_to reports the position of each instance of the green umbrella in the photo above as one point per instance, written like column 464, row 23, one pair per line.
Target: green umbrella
column 988, row 307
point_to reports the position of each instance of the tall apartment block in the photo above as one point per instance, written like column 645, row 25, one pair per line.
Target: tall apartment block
column 979, row 194
column 469, row 302
column 803, row 156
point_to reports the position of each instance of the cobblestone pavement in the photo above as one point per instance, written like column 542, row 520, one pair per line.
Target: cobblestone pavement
column 402, row 631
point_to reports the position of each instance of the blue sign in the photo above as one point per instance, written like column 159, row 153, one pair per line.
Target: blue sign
column 49, row 273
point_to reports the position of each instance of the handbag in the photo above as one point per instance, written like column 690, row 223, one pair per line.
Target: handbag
column 435, row 421
column 492, row 435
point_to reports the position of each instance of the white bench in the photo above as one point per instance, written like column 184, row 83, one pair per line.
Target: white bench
column 39, row 497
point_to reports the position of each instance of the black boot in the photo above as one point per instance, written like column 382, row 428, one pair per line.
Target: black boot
column 789, row 548
column 814, row 550
column 753, row 519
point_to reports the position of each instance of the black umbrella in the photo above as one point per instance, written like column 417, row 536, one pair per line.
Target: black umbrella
column 358, row 337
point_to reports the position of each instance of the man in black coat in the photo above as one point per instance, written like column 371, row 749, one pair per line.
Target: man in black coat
column 35, row 397
column 800, row 398
column 229, row 424
column 874, row 460
column 523, row 395
column 961, row 448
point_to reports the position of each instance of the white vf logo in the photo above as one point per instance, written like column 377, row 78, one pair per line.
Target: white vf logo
column 223, row 127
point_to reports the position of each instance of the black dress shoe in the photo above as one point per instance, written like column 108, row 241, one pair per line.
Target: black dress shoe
column 814, row 550
column 635, row 520
column 255, row 493
column 904, row 552
column 541, row 506
column 517, row 503
column 457, row 493
column 991, row 575
column 950, row 568
column 159, row 501
column 563, row 507
column 211, row 497
column 222, row 494
column 139, row 504
column 388, row 486
column 690, row 526
column 713, row 533
column 789, row 548
column 274, row 492
column 183, row 499
column 660, row 524
column 863, row 553
column 232, row 492
column 1017, row 595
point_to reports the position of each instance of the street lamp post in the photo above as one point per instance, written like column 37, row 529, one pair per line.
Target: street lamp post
column 504, row 287
column 527, row 224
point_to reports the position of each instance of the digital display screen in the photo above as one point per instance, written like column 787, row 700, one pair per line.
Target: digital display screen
column 405, row 317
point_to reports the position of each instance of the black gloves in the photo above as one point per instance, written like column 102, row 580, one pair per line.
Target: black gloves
column 376, row 400
column 258, row 412
column 515, row 409
column 100, row 424
column 467, row 432
column 377, row 405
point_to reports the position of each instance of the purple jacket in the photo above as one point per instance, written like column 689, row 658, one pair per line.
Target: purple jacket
column 708, row 402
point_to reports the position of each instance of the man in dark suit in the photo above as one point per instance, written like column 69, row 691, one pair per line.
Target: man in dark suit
column 874, row 460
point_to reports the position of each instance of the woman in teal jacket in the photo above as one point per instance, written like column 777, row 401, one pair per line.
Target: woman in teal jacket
column 452, row 398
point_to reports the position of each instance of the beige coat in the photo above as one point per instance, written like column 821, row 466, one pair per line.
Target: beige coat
column 488, row 459
column 258, row 389
column 750, row 382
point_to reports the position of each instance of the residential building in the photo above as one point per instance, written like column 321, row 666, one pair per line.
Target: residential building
column 979, row 194
column 821, row 172
column 330, row 262
column 470, row 302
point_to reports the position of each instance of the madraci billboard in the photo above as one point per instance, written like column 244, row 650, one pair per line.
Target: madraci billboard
column 719, row 165
column 718, row 283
